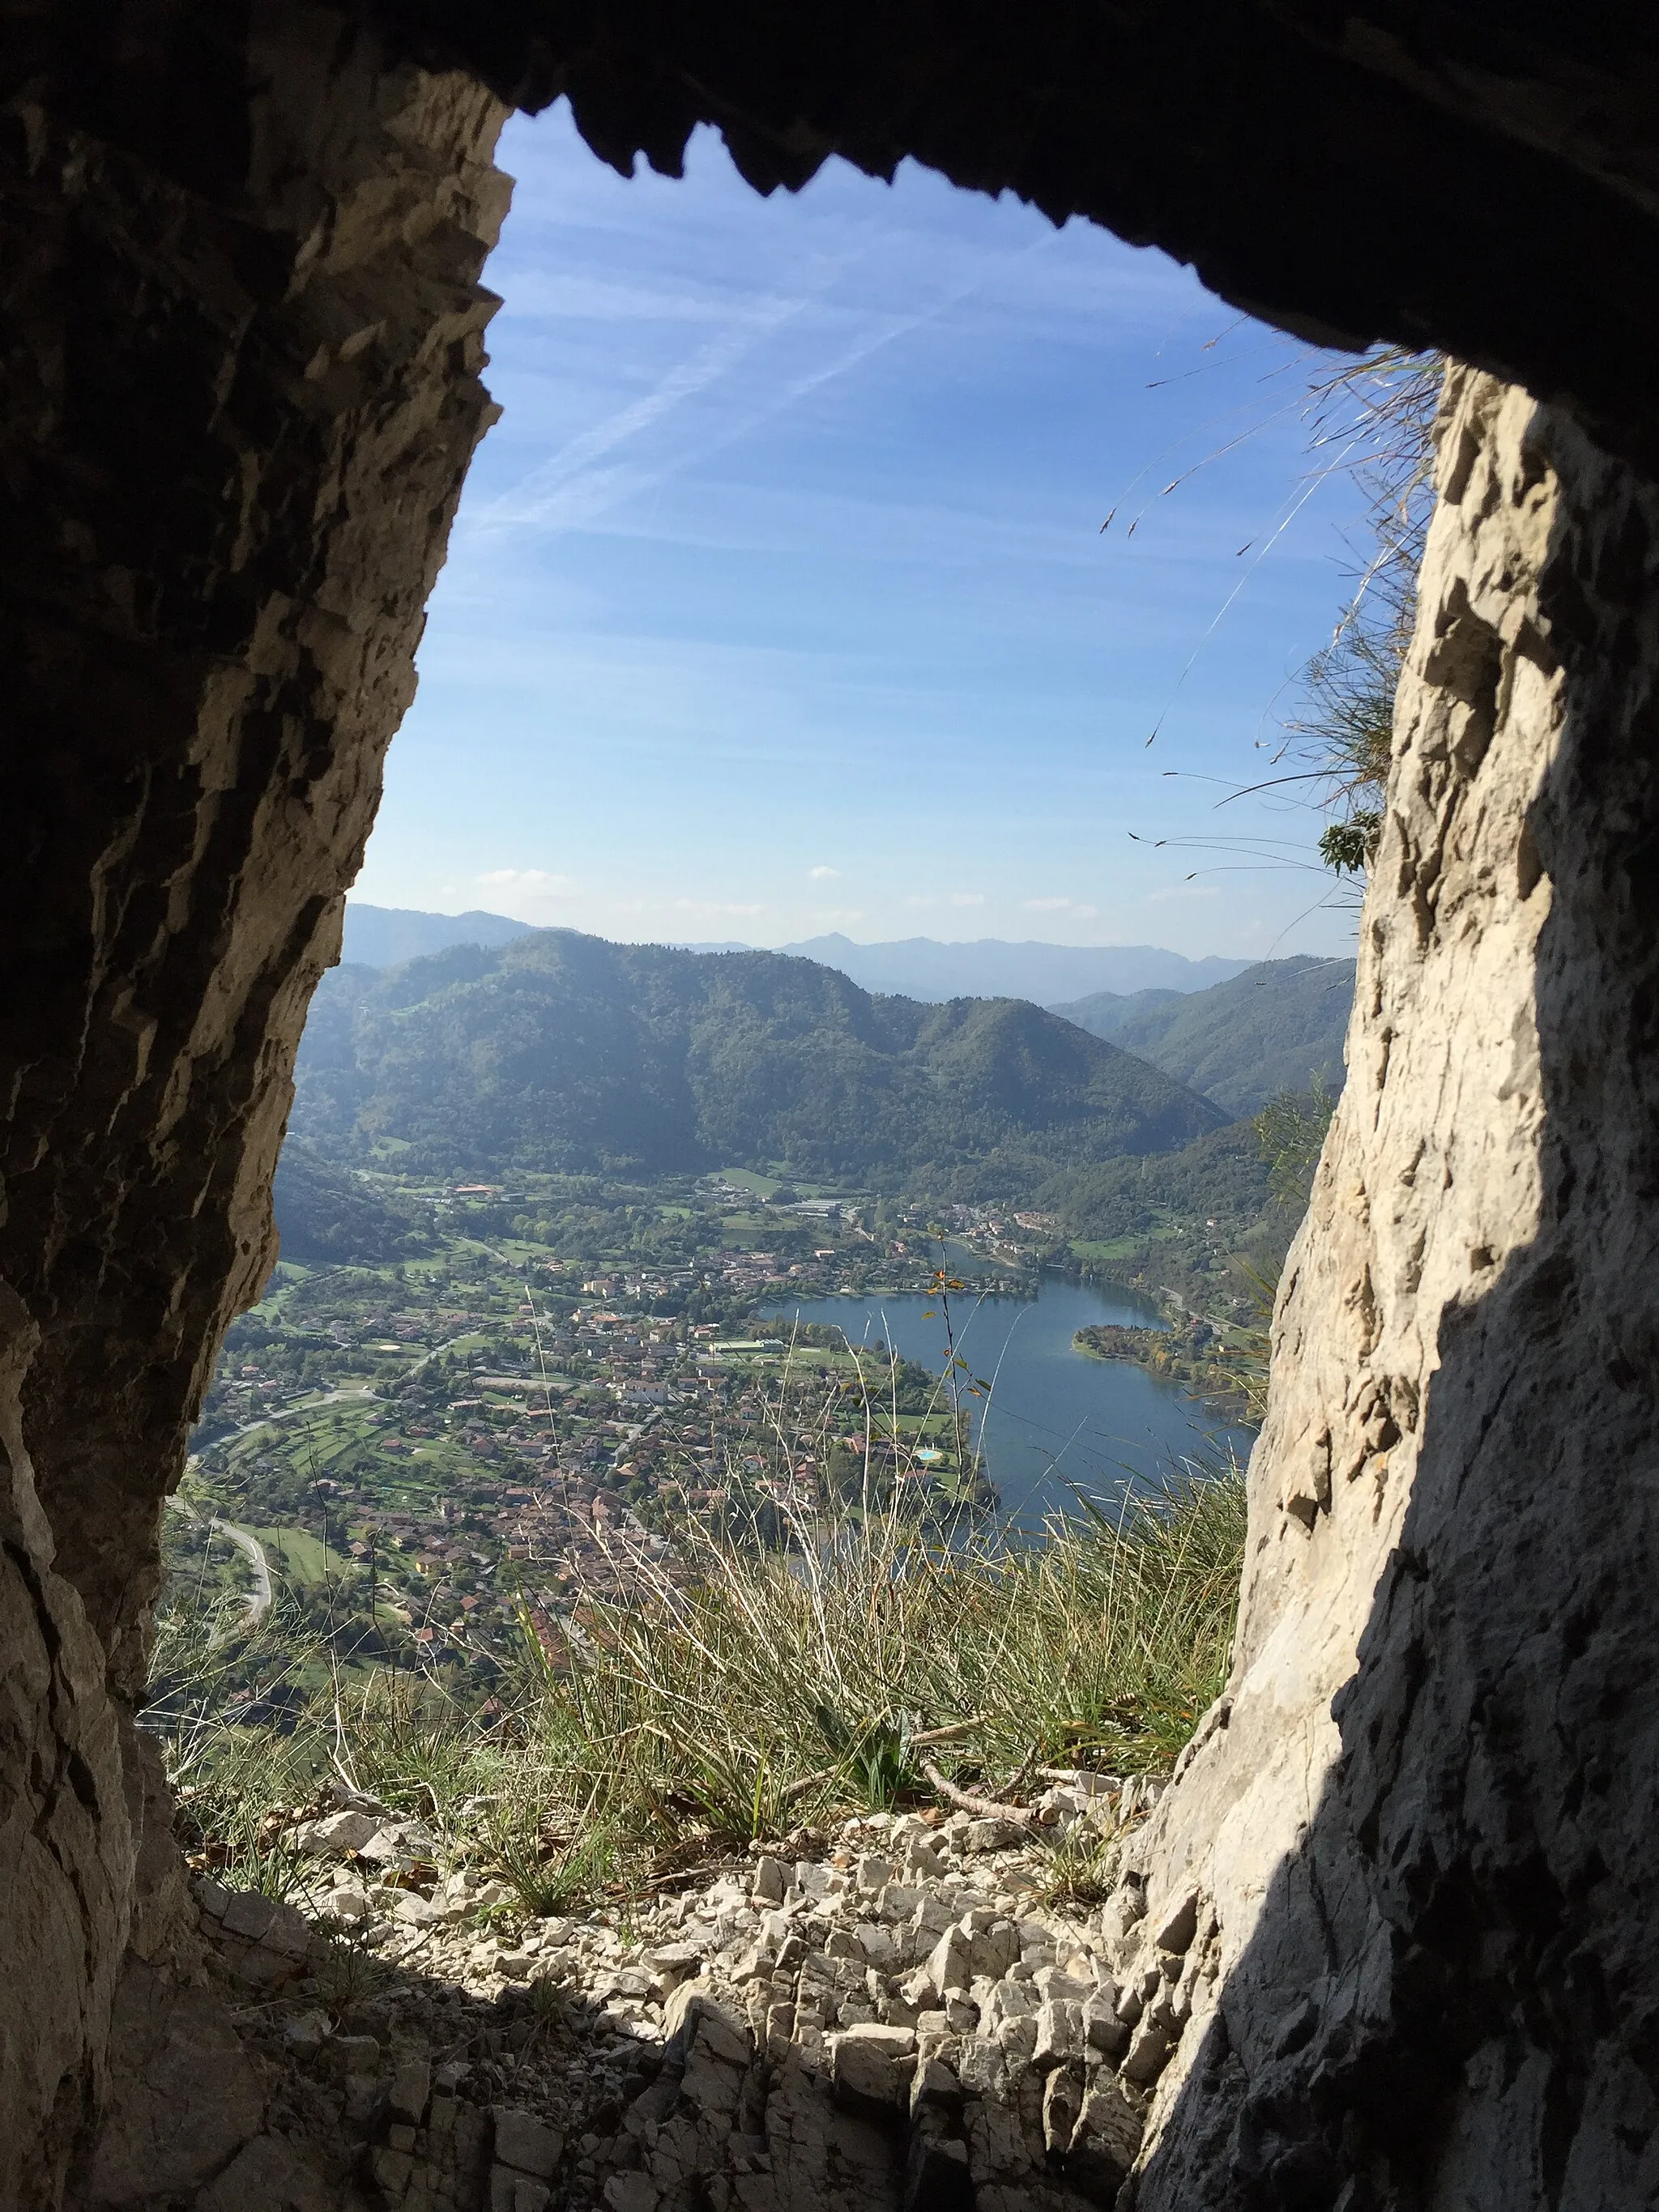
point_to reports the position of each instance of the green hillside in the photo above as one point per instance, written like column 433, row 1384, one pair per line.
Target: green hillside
column 1223, row 1177
column 567, row 1053
column 326, row 1216
column 1277, row 1027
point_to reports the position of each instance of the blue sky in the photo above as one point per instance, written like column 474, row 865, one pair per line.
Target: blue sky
column 779, row 602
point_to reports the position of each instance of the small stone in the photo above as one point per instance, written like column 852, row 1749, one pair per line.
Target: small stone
column 1102, row 2030
column 632, row 2192
column 392, row 2169
column 872, row 1874
column 1062, row 2103
column 877, row 1943
column 981, row 2066
column 870, row 2079
column 994, row 1949
column 897, row 2042
column 770, row 1881
column 337, row 1834
column 517, row 2192
column 1173, row 1929
column 526, row 2144
column 355, row 2054
column 415, row 1910
column 1051, row 1984
column 1104, row 2143
column 1009, row 2000
column 938, row 2175
column 933, row 1916
column 248, row 1914
column 670, row 1963
column 991, row 1835
column 411, row 2085
column 305, row 2034
column 934, row 2088
column 1149, row 2050
column 1059, row 2033
column 950, row 1965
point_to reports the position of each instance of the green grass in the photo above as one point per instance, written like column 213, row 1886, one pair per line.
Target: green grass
column 762, row 1687
column 746, row 1179
column 299, row 1556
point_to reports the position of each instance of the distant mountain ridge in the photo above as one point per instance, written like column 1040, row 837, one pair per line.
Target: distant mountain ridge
column 566, row 1051
column 386, row 936
column 991, row 968
column 923, row 967
column 1279, row 1025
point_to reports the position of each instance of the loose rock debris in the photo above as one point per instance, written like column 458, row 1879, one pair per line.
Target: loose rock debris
column 886, row 2018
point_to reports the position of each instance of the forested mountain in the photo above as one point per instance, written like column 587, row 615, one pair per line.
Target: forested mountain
column 1224, row 1175
column 566, row 1051
column 326, row 1215
column 1278, row 1026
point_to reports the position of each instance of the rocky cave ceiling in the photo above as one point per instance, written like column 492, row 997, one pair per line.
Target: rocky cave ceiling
column 1483, row 178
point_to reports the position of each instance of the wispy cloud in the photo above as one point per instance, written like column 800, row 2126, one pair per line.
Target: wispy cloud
column 537, row 498
column 823, row 875
column 568, row 490
column 1078, row 909
column 528, row 882
column 709, row 908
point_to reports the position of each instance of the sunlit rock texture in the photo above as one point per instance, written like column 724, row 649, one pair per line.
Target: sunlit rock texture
column 1419, row 1829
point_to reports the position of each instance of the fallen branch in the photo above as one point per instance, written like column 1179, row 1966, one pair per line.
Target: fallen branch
column 986, row 1809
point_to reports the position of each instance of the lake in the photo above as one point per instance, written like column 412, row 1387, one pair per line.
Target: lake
column 1057, row 1421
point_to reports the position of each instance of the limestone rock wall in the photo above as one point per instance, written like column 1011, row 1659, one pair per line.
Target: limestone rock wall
column 1415, row 1838
column 238, row 387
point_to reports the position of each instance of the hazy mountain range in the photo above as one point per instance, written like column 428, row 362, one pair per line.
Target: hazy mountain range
column 386, row 936
column 560, row 1051
column 913, row 968
column 989, row 968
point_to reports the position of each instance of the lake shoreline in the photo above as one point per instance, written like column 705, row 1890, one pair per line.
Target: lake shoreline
column 1052, row 1421
column 1185, row 1354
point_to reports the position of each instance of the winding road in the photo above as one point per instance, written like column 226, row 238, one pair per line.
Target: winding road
column 258, row 1599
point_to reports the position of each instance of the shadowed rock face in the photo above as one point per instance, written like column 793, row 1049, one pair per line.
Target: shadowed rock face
column 238, row 252
column 1420, row 1827
column 242, row 334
